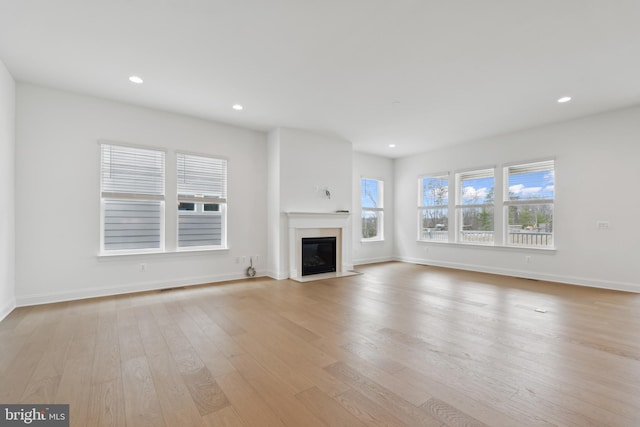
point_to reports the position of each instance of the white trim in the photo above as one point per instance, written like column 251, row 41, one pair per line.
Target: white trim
column 526, row 162
column 528, row 202
column 46, row 298
column 128, row 252
column 8, row 307
column 131, row 145
column 466, row 171
column 193, row 153
column 196, row 249
column 482, row 205
column 491, row 246
column 202, row 200
column 569, row 280
column 370, row 178
column 363, row 261
column 277, row 276
column 434, row 175
column 372, row 239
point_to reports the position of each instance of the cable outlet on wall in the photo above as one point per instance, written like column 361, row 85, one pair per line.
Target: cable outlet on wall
column 143, row 267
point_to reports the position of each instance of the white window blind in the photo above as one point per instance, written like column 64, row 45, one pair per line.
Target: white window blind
column 202, row 178
column 202, row 198
column 132, row 172
column 132, row 198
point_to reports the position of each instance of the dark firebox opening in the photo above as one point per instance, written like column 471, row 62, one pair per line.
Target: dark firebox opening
column 318, row 255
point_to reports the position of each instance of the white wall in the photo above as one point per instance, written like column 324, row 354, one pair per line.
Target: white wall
column 7, row 192
column 371, row 166
column 57, row 196
column 597, row 176
column 308, row 161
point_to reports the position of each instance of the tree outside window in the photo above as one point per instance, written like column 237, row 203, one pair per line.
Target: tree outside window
column 372, row 210
column 433, row 208
column 528, row 203
column 475, row 206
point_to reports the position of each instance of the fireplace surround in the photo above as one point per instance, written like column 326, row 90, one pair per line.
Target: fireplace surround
column 318, row 225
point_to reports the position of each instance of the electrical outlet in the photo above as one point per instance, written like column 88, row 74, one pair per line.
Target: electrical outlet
column 143, row 267
column 244, row 260
column 237, row 260
column 527, row 259
column 602, row 225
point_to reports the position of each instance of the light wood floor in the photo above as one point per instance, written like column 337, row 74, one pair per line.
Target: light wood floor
column 399, row 345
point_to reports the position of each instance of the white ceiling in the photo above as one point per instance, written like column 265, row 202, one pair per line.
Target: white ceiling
column 417, row 73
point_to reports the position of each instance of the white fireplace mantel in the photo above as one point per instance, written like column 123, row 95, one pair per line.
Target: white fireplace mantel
column 300, row 223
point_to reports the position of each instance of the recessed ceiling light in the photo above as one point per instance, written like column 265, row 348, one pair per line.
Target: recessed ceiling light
column 238, row 107
column 392, row 145
column 564, row 99
column 135, row 79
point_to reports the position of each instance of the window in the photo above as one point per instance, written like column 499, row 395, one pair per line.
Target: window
column 433, row 208
column 372, row 211
column 132, row 199
column 528, row 203
column 202, row 201
column 474, row 206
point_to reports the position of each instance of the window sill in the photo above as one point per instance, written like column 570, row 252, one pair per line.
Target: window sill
column 178, row 252
column 489, row 246
column 371, row 240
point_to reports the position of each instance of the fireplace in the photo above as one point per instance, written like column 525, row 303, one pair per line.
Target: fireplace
column 310, row 225
column 318, row 255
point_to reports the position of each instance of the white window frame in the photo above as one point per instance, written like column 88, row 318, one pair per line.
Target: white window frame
column 378, row 210
column 480, row 236
column 128, row 196
column 537, row 165
column 435, row 234
column 200, row 200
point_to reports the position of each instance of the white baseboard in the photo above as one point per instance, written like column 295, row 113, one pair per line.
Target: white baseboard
column 372, row 260
column 570, row 280
column 36, row 299
column 277, row 275
column 282, row 276
column 7, row 308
